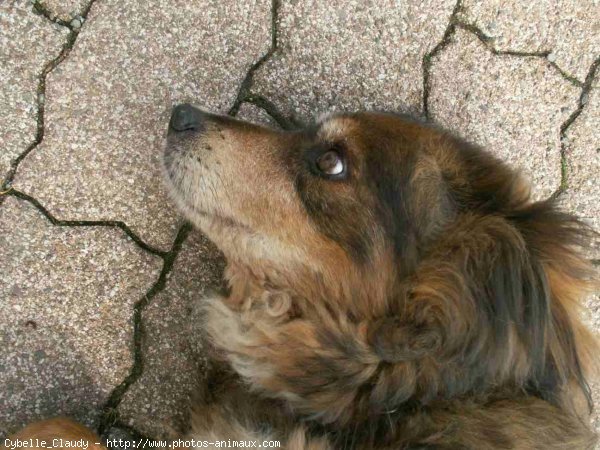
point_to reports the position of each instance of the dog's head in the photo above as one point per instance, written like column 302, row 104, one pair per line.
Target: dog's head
column 375, row 260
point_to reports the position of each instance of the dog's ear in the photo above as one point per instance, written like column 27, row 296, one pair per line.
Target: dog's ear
column 555, row 240
column 474, row 315
column 494, row 304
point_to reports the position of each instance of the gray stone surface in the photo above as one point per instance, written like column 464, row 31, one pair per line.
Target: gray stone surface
column 65, row 315
column 108, row 104
column 340, row 55
column 254, row 114
column 569, row 29
column 582, row 149
column 511, row 105
column 158, row 403
column 67, row 293
column 27, row 43
column 66, row 10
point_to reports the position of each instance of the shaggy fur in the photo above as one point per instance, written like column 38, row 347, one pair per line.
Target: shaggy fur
column 421, row 300
column 417, row 300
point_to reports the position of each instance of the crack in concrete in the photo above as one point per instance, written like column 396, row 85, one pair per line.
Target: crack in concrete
column 41, row 91
column 110, row 412
column 42, row 10
column 488, row 42
column 566, row 75
column 585, row 88
column 583, row 96
column 246, row 84
column 427, row 61
column 84, row 223
column 454, row 23
column 269, row 107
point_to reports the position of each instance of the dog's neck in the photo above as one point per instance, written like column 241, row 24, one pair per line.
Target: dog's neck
column 292, row 291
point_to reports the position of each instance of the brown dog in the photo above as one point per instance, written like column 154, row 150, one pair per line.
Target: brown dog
column 392, row 287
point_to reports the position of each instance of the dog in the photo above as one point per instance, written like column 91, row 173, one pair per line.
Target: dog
column 391, row 286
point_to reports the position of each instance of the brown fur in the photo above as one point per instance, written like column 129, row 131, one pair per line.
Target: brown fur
column 420, row 300
column 426, row 300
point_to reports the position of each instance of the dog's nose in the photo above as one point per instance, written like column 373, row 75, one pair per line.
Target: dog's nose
column 185, row 117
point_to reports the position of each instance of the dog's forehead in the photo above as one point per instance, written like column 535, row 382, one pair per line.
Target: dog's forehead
column 333, row 127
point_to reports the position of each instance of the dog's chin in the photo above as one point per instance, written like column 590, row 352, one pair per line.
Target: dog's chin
column 203, row 217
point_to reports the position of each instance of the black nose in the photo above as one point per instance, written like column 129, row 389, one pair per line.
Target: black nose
column 185, row 117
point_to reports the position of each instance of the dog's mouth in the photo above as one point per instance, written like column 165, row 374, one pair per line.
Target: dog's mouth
column 177, row 147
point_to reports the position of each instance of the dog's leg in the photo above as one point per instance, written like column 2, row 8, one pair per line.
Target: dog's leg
column 225, row 411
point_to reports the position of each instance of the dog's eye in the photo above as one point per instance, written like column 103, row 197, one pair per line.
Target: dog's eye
column 330, row 163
